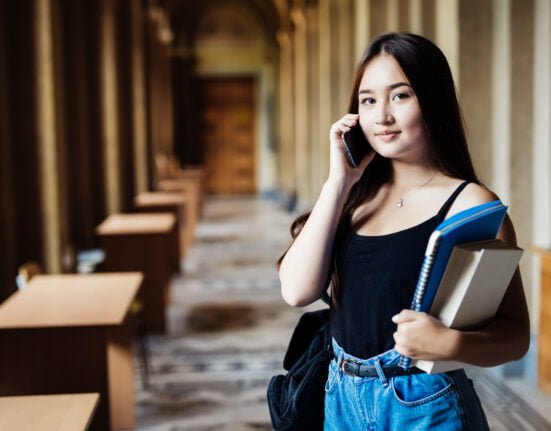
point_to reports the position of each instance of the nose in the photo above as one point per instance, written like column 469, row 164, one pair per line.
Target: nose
column 383, row 115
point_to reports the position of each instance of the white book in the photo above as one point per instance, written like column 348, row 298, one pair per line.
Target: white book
column 472, row 287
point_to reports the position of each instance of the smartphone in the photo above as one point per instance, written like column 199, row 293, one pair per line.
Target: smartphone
column 356, row 145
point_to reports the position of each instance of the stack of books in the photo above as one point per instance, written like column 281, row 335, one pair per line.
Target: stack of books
column 465, row 273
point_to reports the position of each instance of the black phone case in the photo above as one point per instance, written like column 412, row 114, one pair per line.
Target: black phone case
column 356, row 146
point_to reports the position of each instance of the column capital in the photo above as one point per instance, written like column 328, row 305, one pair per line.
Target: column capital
column 298, row 16
column 284, row 36
column 160, row 18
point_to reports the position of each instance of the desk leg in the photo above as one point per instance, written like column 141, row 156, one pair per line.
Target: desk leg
column 121, row 377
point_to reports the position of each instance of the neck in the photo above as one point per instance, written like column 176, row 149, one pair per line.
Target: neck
column 407, row 175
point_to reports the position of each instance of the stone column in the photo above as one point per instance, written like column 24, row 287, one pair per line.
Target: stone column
column 336, row 62
column 164, row 39
column 159, row 84
column 60, row 95
column 501, row 99
column 392, row 15
column 474, row 80
column 7, row 215
column 377, row 17
column 541, row 173
column 48, row 151
column 344, row 54
column 286, row 91
column 81, row 113
column 325, row 82
column 428, row 26
column 448, row 31
column 362, row 12
column 110, row 131
column 126, row 106
column 301, row 136
column 266, row 171
column 541, row 144
column 404, row 15
column 316, row 140
column 521, row 161
column 415, row 19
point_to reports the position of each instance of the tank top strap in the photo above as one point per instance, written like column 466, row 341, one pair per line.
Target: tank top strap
column 447, row 205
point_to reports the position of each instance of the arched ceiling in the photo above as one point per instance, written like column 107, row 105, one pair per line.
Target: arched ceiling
column 185, row 14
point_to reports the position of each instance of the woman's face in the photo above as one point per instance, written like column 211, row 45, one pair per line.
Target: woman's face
column 390, row 115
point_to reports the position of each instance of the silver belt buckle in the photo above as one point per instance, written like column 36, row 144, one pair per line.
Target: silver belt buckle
column 343, row 363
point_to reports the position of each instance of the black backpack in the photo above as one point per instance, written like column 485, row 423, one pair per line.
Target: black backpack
column 296, row 399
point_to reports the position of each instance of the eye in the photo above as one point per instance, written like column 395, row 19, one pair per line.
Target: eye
column 400, row 96
column 367, row 101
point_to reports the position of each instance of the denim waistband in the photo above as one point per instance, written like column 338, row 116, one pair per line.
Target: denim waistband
column 383, row 366
column 389, row 358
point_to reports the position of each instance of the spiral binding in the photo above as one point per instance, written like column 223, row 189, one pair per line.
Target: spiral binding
column 422, row 283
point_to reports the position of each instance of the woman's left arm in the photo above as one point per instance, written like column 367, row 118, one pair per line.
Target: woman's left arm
column 505, row 338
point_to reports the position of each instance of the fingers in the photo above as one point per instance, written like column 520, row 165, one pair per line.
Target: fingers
column 344, row 124
column 420, row 335
column 406, row 316
column 404, row 336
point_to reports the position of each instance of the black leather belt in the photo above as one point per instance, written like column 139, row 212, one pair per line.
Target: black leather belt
column 351, row 367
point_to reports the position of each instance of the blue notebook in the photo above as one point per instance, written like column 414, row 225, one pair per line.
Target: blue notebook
column 478, row 223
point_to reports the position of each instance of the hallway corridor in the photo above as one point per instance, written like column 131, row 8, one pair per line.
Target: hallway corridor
column 229, row 328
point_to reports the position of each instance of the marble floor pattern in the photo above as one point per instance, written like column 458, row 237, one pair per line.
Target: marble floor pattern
column 229, row 328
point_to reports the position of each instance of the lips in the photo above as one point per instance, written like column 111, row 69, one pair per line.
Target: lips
column 388, row 135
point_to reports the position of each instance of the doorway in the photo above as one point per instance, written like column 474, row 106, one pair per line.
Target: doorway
column 227, row 134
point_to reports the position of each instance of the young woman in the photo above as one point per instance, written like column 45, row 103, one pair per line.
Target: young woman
column 367, row 233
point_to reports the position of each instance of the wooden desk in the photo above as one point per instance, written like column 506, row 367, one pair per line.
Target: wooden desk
column 189, row 187
column 142, row 242
column 544, row 333
column 66, row 334
column 176, row 203
column 68, row 412
column 197, row 173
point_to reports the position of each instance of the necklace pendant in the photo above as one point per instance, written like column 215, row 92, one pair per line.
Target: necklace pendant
column 400, row 203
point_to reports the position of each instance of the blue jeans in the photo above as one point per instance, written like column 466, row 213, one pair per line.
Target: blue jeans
column 417, row 402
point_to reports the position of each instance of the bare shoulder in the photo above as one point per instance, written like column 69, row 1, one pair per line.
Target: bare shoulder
column 473, row 194
column 476, row 194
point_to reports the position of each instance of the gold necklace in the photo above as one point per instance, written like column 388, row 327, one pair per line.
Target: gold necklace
column 400, row 202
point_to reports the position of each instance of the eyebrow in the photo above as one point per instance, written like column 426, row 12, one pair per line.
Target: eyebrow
column 390, row 87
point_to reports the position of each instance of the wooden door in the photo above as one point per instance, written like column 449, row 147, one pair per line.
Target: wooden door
column 227, row 134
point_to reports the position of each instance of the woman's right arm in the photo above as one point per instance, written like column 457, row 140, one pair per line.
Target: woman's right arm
column 305, row 268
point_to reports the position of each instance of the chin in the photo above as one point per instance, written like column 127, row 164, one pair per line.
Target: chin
column 388, row 153
column 397, row 152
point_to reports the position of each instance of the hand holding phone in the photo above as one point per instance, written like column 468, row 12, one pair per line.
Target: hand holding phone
column 356, row 146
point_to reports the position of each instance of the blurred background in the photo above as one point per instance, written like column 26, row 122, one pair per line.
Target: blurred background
column 103, row 100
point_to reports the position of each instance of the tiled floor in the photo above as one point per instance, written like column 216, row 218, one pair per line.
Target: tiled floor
column 229, row 329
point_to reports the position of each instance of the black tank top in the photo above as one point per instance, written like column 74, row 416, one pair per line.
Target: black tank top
column 377, row 276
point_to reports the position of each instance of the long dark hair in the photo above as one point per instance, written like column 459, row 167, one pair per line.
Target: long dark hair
column 429, row 74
